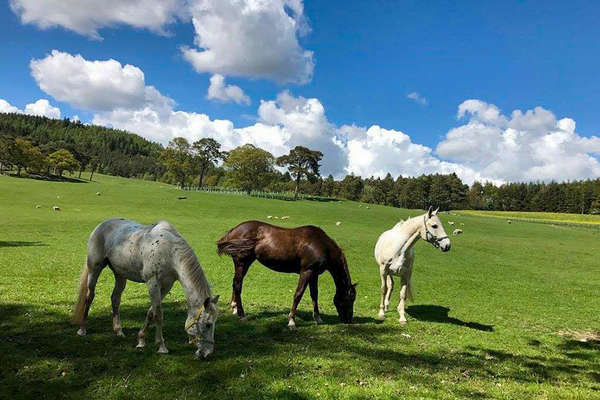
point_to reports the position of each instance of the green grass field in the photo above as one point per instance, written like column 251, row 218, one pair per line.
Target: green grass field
column 483, row 324
column 545, row 217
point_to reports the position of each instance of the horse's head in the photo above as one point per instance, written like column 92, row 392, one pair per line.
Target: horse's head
column 433, row 230
column 344, row 303
column 200, row 325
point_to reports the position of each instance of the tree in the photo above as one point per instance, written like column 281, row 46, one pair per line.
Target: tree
column 207, row 152
column 62, row 160
column 7, row 149
column 24, row 154
column 250, row 167
column 301, row 162
column 177, row 159
column 329, row 186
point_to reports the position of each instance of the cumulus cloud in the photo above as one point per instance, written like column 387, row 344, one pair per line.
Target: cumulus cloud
column 250, row 38
column 86, row 17
column 526, row 146
column 417, row 98
column 40, row 108
column 95, row 85
column 225, row 93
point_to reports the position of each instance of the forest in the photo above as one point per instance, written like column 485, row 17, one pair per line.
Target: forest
column 46, row 148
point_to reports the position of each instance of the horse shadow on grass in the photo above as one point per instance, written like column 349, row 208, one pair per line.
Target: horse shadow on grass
column 433, row 313
column 257, row 358
column 19, row 243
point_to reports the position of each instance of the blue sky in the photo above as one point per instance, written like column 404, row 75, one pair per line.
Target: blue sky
column 367, row 57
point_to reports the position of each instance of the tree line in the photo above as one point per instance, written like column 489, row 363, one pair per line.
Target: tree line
column 49, row 147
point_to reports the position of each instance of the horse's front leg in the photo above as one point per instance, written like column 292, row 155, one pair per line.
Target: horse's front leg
column 115, row 299
column 154, row 289
column 142, row 333
column 313, row 285
column 302, row 282
column 403, row 289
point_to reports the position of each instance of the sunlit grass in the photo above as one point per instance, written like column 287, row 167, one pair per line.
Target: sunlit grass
column 484, row 323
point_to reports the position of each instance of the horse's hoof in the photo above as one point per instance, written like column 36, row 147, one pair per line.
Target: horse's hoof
column 140, row 346
column 81, row 332
column 318, row 321
column 162, row 350
column 120, row 334
column 243, row 318
column 381, row 315
column 292, row 325
column 234, row 310
column 403, row 322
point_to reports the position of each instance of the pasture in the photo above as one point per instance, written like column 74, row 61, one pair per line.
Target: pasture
column 484, row 322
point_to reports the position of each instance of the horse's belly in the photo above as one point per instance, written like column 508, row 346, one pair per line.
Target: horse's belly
column 128, row 266
column 280, row 265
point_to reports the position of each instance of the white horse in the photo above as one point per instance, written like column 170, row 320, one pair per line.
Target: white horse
column 395, row 255
column 157, row 255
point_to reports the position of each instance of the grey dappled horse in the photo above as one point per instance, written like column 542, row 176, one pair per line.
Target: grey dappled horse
column 158, row 256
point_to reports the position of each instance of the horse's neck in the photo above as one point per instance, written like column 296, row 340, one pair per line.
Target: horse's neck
column 193, row 295
column 411, row 231
column 341, row 276
column 192, row 280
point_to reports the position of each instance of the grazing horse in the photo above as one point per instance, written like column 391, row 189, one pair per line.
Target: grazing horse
column 158, row 256
column 305, row 250
column 395, row 255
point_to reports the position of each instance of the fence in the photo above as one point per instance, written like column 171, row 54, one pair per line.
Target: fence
column 287, row 196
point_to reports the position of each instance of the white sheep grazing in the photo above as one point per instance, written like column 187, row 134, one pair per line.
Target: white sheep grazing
column 269, row 216
column 97, row 193
column 339, row 223
column 509, row 221
column 276, row 217
column 285, row 217
column 38, row 206
column 450, row 222
column 56, row 208
column 457, row 232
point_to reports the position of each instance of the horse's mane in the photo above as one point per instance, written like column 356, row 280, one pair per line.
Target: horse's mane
column 399, row 224
column 194, row 271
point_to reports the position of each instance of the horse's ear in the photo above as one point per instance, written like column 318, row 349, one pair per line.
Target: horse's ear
column 430, row 212
column 436, row 211
column 215, row 299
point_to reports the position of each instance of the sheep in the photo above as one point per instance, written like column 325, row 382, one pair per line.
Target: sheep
column 338, row 223
column 56, row 208
column 509, row 221
column 285, row 217
column 269, row 216
column 38, row 206
column 457, row 231
column 450, row 222
column 97, row 193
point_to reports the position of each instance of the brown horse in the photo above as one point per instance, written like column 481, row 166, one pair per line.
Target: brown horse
column 306, row 250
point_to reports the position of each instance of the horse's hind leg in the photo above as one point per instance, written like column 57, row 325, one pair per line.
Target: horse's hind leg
column 382, row 306
column 142, row 333
column 390, row 288
column 401, row 305
column 241, row 268
column 115, row 299
column 313, row 285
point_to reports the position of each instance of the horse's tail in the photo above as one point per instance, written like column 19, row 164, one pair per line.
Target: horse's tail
column 235, row 247
column 78, row 313
column 409, row 290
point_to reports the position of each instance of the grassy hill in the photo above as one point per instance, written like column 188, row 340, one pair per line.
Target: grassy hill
column 484, row 322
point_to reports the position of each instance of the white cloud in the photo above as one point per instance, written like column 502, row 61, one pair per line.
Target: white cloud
column 94, row 85
column 40, row 108
column 226, row 93
column 527, row 145
column 250, row 38
column 86, row 17
column 417, row 98
column 6, row 107
column 523, row 147
column 43, row 108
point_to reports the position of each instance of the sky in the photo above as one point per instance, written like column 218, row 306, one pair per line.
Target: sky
column 499, row 91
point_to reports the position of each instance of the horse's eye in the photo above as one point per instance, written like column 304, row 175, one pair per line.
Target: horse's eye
column 434, row 226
